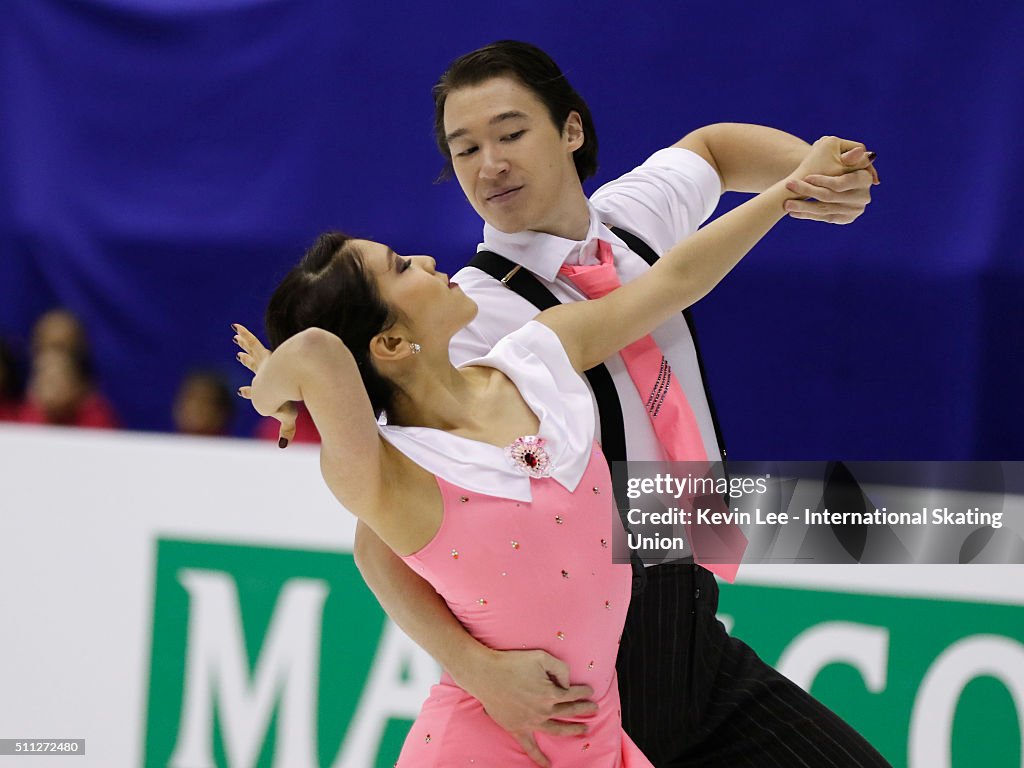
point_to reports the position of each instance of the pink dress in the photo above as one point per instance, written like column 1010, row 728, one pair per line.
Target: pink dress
column 524, row 562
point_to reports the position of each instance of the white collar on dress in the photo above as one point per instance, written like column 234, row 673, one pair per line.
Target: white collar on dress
column 534, row 359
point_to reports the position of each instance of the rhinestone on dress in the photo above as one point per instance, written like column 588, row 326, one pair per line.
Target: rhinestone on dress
column 590, row 665
column 560, row 635
column 604, row 543
column 427, row 738
column 565, row 574
column 586, row 746
column 558, row 519
column 527, row 454
column 482, row 601
column 463, row 499
column 515, row 544
column 455, row 554
column 607, row 605
column 596, row 489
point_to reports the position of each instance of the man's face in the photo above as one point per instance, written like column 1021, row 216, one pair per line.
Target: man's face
column 514, row 166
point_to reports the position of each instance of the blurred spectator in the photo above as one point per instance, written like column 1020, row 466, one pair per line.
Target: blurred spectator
column 203, row 405
column 305, row 429
column 10, row 383
column 60, row 329
column 61, row 391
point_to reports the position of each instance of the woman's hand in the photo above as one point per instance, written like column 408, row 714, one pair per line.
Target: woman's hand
column 253, row 356
column 826, row 157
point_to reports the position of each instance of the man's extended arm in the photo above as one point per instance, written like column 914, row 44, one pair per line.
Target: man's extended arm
column 750, row 158
column 517, row 688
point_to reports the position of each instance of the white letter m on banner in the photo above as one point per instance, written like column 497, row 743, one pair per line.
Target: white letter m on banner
column 217, row 672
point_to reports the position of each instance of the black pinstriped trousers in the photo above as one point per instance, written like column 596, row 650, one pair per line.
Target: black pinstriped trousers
column 693, row 696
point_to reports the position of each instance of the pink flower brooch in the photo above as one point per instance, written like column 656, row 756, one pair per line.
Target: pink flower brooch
column 527, row 454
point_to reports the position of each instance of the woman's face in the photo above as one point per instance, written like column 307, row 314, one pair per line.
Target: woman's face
column 427, row 303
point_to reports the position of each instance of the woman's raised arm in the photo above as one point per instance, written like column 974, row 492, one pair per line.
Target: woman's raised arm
column 593, row 330
column 316, row 367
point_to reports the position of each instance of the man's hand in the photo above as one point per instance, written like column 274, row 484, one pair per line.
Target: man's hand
column 528, row 691
column 840, row 183
column 252, row 356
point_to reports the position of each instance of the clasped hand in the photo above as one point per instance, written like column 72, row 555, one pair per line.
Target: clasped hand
column 834, row 182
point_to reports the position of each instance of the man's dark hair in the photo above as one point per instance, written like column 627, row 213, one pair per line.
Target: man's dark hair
column 535, row 70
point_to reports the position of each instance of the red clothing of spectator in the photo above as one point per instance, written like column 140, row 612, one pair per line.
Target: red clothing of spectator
column 9, row 410
column 94, row 412
column 305, row 429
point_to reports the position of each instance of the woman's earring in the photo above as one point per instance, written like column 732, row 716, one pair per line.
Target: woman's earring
column 415, row 347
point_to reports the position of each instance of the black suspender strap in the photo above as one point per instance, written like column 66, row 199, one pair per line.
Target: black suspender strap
column 524, row 283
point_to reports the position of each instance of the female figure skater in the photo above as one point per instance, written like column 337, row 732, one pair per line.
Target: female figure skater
column 486, row 478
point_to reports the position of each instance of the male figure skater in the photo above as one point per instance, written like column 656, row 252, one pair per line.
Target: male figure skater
column 520, row 142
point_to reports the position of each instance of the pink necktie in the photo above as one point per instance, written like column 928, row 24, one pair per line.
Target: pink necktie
column 669, row 411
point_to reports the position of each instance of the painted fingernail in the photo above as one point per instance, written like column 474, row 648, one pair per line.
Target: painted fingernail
column 234, row 327
column 872, row 155
column 239, row 391
column 282, row 443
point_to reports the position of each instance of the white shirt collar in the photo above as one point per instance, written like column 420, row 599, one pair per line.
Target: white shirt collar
column 544, row 254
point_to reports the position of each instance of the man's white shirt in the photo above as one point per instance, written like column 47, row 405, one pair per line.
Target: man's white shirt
column 661, row 202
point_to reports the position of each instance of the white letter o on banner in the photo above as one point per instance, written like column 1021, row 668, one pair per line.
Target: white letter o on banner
column 863, row 647
column 931, row 723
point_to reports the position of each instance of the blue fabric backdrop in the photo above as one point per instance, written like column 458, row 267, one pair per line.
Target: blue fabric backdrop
column 162, row 162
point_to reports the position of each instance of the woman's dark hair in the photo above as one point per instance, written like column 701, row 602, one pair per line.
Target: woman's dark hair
column 535, row 70
column 331, row 289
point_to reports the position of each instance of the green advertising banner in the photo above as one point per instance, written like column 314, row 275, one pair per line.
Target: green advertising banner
column 930, row 683
column 263, row 656
column 260, row 657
